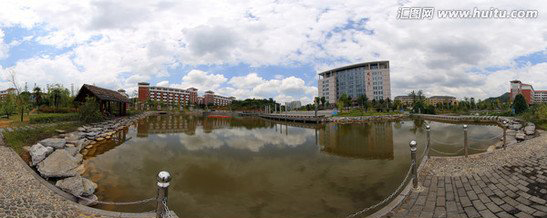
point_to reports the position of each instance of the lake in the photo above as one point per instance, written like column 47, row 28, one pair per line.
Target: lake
column 252, row 167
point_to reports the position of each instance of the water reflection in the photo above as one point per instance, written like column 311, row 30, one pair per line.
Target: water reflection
column 375, row 141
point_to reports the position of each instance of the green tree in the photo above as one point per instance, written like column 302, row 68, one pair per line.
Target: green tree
column 323, row 100
column 37, row 94
column 344, row 100
column 519, row 104
column 89, row 111
column 7, row 105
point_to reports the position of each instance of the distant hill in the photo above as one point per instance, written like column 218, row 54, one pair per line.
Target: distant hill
column 502, row 98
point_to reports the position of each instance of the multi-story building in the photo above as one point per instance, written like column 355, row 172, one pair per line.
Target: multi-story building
column 210, row 98
column 405, row 99
column 293, row 105
column 182, row 97
column 434, row 100
column 371, row 79
column 540, row 96
column 4, row 93
column 530, row 95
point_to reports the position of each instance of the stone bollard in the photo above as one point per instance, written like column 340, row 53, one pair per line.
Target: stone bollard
column 413, row 147
column 163, row 184
column 504, row 134
column 465, row 139
column 428, row 130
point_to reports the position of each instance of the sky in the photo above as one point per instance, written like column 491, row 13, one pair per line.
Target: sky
column 268, row 49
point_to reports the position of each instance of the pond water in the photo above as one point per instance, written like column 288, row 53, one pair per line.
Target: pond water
column 251, row 167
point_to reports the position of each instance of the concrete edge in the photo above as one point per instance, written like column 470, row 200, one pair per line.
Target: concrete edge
column 400, row 197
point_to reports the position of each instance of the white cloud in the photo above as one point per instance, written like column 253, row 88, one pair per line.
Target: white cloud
column 201, row 80
column 144, row 39
column 4, row 48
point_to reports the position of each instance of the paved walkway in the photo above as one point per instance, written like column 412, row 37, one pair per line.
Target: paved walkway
column 503, row 183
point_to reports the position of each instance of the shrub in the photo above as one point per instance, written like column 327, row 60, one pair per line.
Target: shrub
column 52, row 118
column 89, row 111
column 48, row 109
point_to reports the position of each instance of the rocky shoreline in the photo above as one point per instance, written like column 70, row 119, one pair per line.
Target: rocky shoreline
column 367, row 118
column 60, row 158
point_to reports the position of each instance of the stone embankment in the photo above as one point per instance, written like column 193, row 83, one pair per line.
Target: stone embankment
column 60, row 158
column 484, row 119
column 367, row 118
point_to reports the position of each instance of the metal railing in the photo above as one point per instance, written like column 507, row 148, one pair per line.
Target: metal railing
column 465, row 143
column 162, row 210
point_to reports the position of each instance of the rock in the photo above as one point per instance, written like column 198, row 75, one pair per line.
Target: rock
column 72, row 150
column 530, row 129
column 54, row 143
column 100, row 139
column 60, row 131
column 60, row 164
column 77, row 186
column 515, row 126
column 89, row 146
column 81, row 129
column 520, row 136
column 38, row 152
column 70, row 145
column 88, row 201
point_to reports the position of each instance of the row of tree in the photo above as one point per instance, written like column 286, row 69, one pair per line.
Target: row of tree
column 21, row 102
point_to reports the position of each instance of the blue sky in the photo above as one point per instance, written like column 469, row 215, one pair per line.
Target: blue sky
column 266, row 49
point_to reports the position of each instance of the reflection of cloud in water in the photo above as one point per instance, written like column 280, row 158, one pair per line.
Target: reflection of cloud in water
column 253, row 139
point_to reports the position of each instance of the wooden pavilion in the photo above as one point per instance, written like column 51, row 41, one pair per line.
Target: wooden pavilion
column 110, row 102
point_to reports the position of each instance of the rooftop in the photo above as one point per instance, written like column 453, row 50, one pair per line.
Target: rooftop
column 354, row 66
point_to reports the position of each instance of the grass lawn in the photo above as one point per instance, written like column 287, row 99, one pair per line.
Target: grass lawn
column 27, row 137
column 359, row 113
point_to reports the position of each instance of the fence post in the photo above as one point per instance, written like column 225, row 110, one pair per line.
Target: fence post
column 465, row 139
column 163, row 184
column 504, row 134
column 428, row 130
column 414, row 163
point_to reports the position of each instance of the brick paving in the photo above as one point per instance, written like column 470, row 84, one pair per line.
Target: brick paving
column 512, row 183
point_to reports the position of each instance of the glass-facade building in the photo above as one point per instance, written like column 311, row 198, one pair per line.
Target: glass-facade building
column 371, row 79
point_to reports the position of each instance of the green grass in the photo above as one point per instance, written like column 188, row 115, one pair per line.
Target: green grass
column 27, row 137
column 53, row 117
column 359, row 113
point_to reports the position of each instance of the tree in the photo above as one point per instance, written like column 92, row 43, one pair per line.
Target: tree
column 37, row 94
column 362, row 101
column 89, row 111
column 323, row 100
column 21, row 101
column 519, row 104
column 344, row 99
column 7, row 105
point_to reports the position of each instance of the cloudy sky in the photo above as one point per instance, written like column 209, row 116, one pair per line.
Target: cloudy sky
column 255, row 48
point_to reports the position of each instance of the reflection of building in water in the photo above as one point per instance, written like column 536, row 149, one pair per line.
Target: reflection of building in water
column 178, row 124
column 369, row 141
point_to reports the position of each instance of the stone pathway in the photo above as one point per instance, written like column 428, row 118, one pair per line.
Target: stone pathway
column 503, row 183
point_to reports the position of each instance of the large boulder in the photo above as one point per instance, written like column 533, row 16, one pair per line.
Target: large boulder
column 60, row 164
column 54, row 143
column 38, row 153
column 515, row 126
column 77, row 186
column 530, row 129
